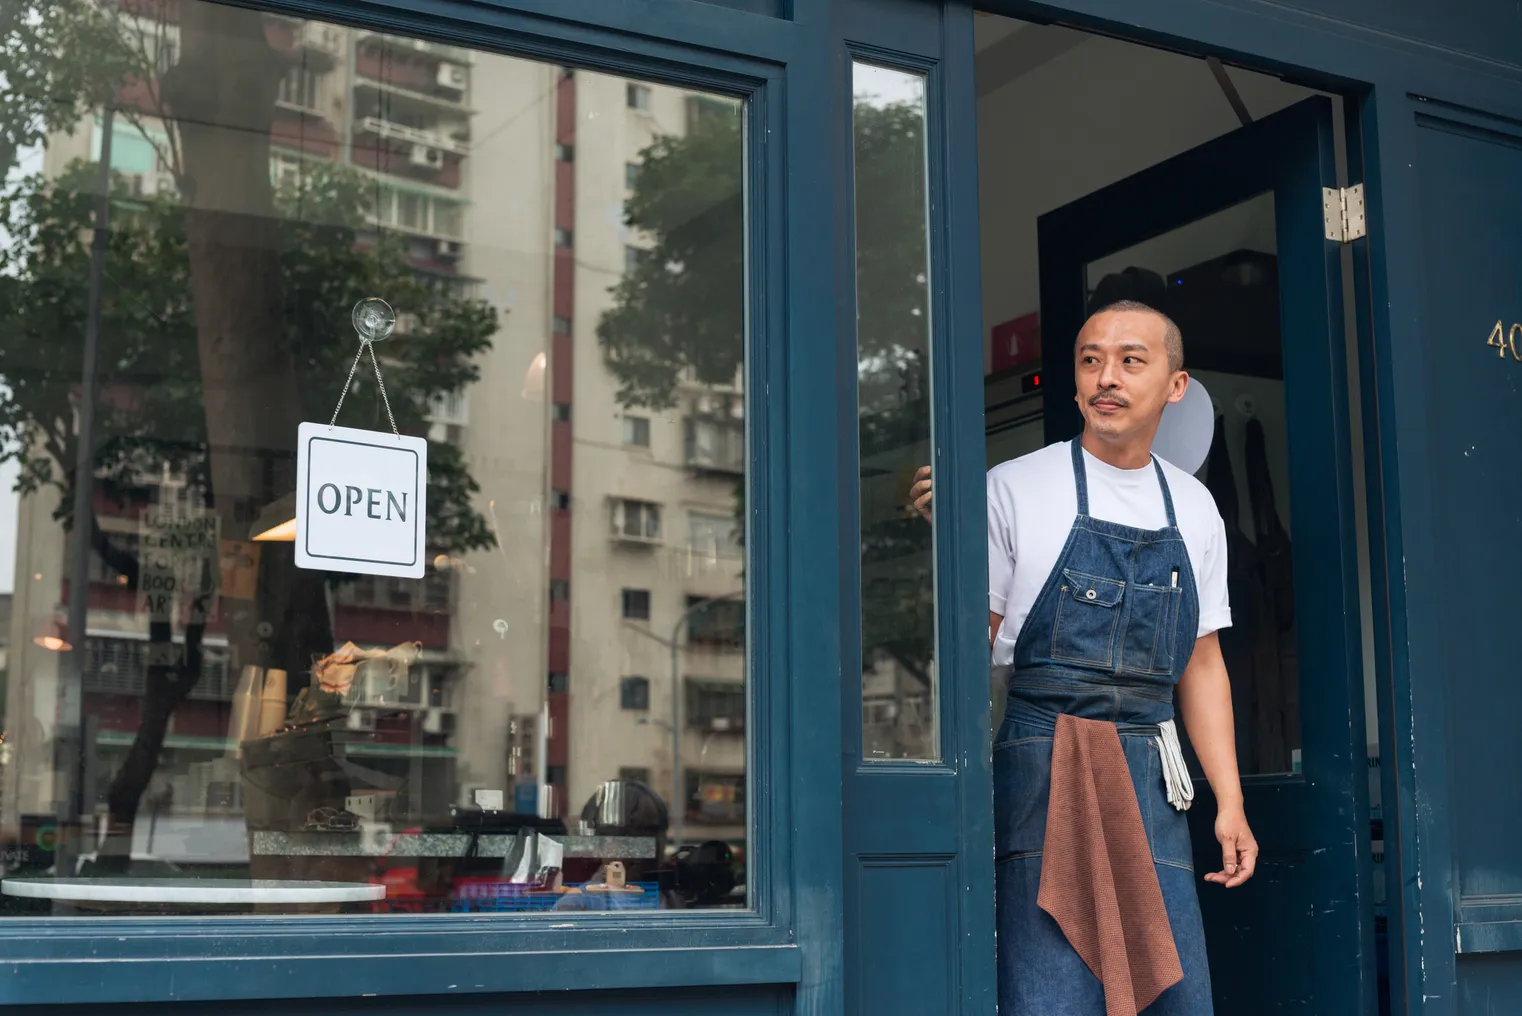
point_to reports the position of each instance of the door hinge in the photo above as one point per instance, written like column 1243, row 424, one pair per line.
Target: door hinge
column 1342, row 208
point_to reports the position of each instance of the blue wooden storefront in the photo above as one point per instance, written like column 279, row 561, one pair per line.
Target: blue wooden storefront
column 872, row 886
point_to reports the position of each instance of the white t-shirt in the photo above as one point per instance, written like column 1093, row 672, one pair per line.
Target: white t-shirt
column 1032, row 501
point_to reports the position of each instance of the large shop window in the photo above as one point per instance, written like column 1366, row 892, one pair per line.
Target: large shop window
column 384, row 668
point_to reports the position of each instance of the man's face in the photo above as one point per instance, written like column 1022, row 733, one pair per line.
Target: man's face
column 1123, row 376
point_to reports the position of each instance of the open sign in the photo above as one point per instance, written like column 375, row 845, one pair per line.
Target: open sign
column 361, row 498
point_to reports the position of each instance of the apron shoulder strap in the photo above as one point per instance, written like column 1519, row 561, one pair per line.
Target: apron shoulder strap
column 1162, row 481
column 1080, row 475
column 1081, row 481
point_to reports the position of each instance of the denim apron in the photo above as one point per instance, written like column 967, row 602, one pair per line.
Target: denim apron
column 1107, row 639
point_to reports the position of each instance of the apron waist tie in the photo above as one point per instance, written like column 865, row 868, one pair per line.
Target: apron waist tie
column 1098, row 881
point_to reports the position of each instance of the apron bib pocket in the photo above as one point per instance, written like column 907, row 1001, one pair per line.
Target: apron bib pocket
column 1088, row 611
column 1148, row 643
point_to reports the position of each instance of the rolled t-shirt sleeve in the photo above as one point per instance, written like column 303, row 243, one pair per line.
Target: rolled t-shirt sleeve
column 1215, row 600
column 1001, row 555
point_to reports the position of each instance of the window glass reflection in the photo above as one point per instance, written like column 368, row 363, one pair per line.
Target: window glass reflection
column 893, row 392
column 553, row 717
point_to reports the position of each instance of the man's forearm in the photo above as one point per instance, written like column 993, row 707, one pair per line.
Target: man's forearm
column 1204, row 695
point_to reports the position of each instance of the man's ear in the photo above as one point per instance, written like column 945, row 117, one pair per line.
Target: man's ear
column 1180, row 385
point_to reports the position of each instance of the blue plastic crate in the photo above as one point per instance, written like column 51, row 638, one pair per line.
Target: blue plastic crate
column 509, row 897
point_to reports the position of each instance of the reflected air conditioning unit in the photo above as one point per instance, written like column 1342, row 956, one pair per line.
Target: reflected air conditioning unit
column 325, row 39
column 725, row 725
column 452, row 76
column 426, row 155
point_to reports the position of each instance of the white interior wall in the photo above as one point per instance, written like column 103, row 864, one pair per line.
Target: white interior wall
column 1075, row 123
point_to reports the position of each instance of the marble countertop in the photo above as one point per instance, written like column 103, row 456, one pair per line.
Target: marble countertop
column 190, row 890
column 384, row 842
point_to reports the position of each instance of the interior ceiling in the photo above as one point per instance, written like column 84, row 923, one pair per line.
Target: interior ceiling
column 1008, row 49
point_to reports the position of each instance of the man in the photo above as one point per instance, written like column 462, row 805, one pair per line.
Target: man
column 1107, row 585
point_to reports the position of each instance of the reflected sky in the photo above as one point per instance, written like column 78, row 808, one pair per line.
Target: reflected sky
column 883, row 86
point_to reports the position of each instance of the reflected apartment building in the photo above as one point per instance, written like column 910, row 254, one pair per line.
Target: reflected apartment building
column 606, row 625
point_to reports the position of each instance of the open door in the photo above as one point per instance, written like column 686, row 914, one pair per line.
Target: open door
column 1232, row 239
column 918, row 884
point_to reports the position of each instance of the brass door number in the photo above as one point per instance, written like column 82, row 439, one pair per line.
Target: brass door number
column 1508, row 342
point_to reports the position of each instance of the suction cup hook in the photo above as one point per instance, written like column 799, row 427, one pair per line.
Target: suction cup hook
column 373, row 319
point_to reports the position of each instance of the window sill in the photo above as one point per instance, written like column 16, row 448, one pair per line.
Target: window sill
column 82, row 961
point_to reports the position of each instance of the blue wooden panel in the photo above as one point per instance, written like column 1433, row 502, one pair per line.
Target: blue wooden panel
column 1472, row 205
column 1491, row 924
column 1482, row 27
column 807, row 788
column 1488, row 986
column 672, row 1002
column 769, row 8
column 209, row 965
column 906, row 968
column 1393, row 361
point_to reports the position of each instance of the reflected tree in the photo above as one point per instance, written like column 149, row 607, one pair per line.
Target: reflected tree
column 681, row 306
column 170, row 405
column 893, row 399
column 680, row 311
column 60, row 59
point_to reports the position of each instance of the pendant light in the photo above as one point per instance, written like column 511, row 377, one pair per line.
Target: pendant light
column 277, row 521
column 54, row 637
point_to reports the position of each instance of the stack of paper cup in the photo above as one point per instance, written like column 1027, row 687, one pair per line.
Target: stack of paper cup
column 245, row 713
column 272, row 703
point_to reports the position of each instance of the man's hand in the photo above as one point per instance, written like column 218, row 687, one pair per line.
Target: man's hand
column 1204, row 697
column 1239, row 851
column 919, row 494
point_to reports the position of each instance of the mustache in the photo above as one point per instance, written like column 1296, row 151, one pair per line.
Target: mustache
column 1114, row 398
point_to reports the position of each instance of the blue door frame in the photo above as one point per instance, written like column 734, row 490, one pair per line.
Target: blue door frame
column 1438, row 89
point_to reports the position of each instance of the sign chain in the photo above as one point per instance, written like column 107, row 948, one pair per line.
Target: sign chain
column 385, row 401
column 373, row 320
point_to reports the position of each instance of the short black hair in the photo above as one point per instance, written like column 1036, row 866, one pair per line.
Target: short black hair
column 1173, row 339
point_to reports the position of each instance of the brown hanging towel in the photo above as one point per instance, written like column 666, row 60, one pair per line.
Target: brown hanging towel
column 1097, row 876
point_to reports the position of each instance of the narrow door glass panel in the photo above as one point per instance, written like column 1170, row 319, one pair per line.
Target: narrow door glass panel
column 1218, row 279
column 899, row 700
column 545, row 709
